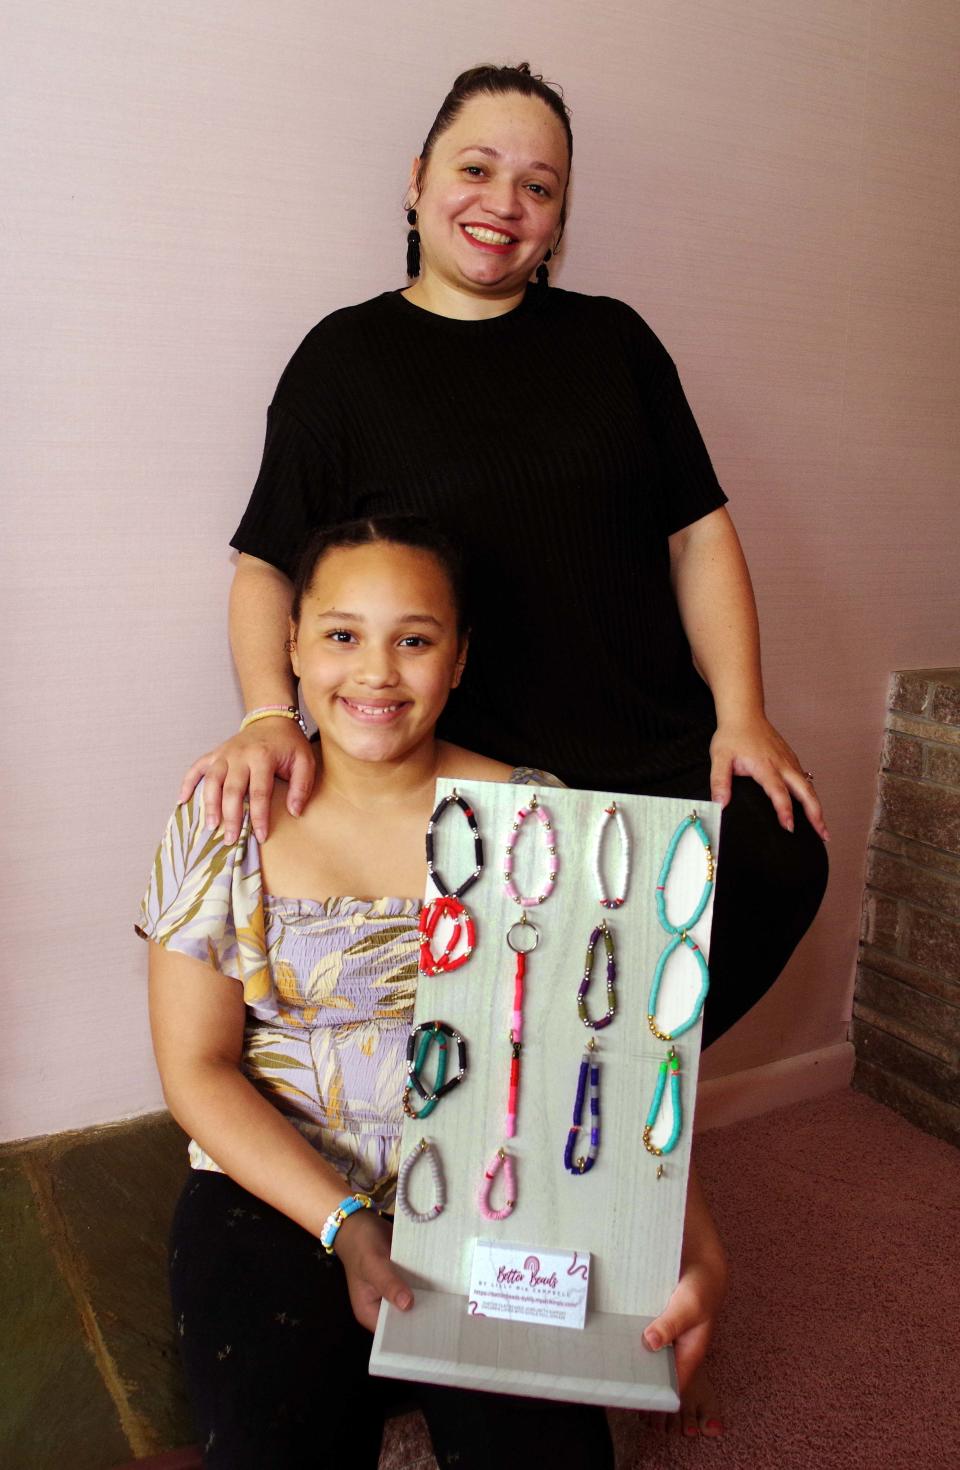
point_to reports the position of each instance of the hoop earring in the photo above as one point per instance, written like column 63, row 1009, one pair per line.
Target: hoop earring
column 543, row 275
column 413, row 245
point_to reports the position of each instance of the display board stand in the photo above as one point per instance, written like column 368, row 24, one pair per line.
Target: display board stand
column 629, row 1220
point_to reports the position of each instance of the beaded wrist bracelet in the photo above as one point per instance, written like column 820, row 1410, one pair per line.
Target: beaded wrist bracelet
column 274, row 712
column 335, row 1219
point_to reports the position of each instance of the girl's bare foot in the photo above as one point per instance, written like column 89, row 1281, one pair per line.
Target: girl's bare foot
column 688, row 1319
column 699, row 1411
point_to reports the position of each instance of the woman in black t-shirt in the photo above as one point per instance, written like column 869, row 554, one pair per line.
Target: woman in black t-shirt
column 617, row 643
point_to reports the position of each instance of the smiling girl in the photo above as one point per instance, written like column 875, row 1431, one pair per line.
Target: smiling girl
column 282, row 984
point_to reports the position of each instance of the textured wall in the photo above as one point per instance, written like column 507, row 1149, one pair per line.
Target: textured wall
column 188, row 188
column 907, row 1001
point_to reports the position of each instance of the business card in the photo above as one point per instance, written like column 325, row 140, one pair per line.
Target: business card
column 524, row 1284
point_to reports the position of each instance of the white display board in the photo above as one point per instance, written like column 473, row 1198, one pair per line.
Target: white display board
column 628, row 1219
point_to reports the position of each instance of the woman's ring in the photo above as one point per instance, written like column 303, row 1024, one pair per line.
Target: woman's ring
column 809, row 776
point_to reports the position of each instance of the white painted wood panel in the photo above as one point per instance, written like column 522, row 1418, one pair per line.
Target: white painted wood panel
column 620, row 1212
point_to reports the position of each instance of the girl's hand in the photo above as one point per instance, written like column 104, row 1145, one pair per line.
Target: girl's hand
column 689, row 1316
column 363, row 1245
column 248, row 762
column 752, row 747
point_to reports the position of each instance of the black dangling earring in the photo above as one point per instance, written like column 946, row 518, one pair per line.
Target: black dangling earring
column 413, row 245
column 543, row 275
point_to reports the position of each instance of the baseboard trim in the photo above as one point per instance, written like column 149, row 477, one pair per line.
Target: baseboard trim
column 758, row 1090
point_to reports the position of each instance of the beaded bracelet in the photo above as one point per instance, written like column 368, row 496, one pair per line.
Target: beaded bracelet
column 428, row 1032
column 611, row 980
column 448, row 904
column 546, row 827
column 455, row 799
column 612, row 811
column 463, row 929
column 681, row 937
column 500, row 1160
column 586, row 1161
column 272, row 712
column 346, row 1208
column 403, row 1183
column 671, row 1063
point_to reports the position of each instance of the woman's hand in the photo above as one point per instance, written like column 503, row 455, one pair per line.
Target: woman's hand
column 363, row 1245
column 249, row 762
column 752, row 747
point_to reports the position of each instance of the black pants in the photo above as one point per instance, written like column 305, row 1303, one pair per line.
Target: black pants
column 276, row 1364
column 770, row 884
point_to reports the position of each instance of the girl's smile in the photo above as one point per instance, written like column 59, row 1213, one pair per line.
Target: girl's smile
column 377, row 650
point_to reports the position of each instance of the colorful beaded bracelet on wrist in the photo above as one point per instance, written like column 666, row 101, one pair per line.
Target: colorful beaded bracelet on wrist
column 335, row 1219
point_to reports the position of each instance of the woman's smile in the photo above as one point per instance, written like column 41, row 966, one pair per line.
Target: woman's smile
column 485, row 238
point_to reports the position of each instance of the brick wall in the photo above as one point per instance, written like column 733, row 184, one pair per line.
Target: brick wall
column 906, row 1012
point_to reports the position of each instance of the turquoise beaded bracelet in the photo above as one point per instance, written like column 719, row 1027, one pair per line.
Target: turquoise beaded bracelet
column 335, row 1219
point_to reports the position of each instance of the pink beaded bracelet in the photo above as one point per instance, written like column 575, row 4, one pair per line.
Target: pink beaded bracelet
column 500, row 1160
column 509, row 887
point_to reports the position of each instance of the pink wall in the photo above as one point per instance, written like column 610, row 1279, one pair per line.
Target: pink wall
column 189, row 187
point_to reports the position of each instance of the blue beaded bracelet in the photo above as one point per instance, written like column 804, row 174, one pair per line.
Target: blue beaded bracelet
column 335, row 1219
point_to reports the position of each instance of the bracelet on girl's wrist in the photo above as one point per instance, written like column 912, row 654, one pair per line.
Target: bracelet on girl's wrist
column 274, row 711
column 335, row 1219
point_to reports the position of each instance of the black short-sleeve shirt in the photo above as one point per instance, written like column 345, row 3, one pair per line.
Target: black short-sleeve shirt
column 556, row 445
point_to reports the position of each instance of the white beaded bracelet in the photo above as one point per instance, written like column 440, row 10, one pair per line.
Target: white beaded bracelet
column 274, row 711
column 612, row 902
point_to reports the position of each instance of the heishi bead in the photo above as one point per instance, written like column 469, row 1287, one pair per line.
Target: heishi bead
column 454, row 799
column 670, row 1066
column 613, row 813
column 524, row 900
column 611, row 969
column 500, row 1160
column 403, row 1183
column 589, row 1070
column 679, row 932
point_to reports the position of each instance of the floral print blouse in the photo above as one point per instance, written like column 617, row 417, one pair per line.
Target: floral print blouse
column 329, row 986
